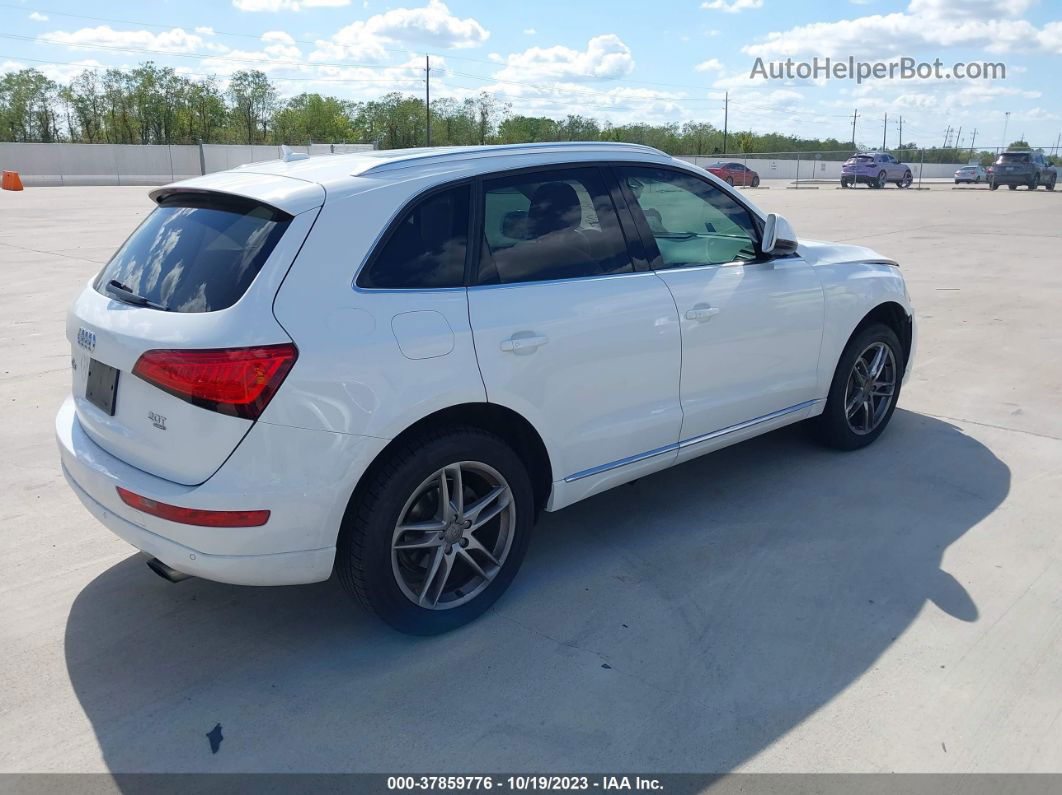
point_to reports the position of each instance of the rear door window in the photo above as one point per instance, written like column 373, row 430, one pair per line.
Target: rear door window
column 550, row 224
column 426, row 249
column 196, row 253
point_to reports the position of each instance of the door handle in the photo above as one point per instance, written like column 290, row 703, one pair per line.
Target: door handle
column 702, row 312
column 528, row 343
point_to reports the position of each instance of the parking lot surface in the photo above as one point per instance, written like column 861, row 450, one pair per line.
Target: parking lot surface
column 772, row 607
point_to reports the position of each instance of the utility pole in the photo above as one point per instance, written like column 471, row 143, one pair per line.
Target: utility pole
column 855, row 115
column 958, row 139
column 899, row 143
column 947, row 137
column 1006, row 121
column 973, row 137
column 1057, row 140
column 884, row 131
column 726, row 118
column 427, row 93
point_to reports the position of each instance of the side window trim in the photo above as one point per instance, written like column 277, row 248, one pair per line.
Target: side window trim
column 382, row 240
column 652, row 251
column 640, row 254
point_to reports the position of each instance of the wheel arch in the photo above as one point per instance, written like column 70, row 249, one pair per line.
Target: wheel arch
column 511, row 426
column 893, row 315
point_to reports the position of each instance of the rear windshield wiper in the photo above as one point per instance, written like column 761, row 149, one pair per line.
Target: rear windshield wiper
column 123, row 293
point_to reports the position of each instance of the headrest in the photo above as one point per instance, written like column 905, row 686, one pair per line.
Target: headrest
column 554, row 207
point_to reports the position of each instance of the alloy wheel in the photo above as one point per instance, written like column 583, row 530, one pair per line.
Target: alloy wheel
column 871, row 388
column 453, row 535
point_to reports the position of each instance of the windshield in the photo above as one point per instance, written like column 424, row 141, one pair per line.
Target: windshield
column 195, row 254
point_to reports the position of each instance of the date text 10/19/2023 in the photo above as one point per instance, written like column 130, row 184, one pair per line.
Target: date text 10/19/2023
column 523, row 783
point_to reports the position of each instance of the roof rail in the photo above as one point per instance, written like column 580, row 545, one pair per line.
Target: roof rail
column 442, row 154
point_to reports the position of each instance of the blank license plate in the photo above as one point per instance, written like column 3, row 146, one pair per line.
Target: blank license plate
column 102, row 386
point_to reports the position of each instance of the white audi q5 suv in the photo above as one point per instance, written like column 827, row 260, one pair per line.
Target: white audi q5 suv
column 388, row 364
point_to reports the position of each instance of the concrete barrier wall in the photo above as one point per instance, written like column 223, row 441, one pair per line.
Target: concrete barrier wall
column 131, row 164
column 769, row 168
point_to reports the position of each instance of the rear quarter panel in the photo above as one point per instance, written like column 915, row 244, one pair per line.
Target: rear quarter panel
column 352, row 375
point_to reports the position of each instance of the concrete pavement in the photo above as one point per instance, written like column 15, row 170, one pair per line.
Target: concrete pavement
column 771, row 607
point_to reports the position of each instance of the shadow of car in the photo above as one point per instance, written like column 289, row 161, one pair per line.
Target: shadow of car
column 683, row 622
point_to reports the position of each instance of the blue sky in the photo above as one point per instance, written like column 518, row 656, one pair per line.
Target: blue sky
column 618, row 60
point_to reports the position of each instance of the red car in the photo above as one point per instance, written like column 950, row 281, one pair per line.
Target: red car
column 735, row 174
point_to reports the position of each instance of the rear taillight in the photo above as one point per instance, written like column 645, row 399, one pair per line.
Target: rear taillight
column 196, row 516
column 235, row 381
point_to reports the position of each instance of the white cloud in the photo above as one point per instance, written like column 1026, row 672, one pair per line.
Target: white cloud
column 606, row 57
column 60, row 73
column 990, row 24
column 432, row 24
column 173, row 40
column 732, row 7
column 530, row 31
column 278, row 53
column 278, row 36
column 204, row 30
column 37, row 16
column 969, row 9
column 711, row 65
column 287, row 5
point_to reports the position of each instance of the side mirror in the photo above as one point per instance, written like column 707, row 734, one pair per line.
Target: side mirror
column 778, row 236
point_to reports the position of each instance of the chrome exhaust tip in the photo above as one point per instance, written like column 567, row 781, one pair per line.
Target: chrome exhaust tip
column 166, row 572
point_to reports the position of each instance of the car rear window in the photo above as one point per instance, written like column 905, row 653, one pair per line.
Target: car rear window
column 1014, row 157
column 196, row 253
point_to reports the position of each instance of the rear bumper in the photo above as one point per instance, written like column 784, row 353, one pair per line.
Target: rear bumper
column 288, row 568
column 304, row 478
column 1011, row 179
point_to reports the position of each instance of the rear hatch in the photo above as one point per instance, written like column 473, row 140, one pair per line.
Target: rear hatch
column 175, row 349
column 1014, row 163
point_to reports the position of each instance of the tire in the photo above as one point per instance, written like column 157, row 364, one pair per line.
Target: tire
column 906, row 181
column 845, row 183
column 1051, row 185
column 755, row 182
column 1034, row 183
column 730, row 181
column 881, row 180
column 833, row 427
column 993, row 185
column 1012, row 187
column 385, row 579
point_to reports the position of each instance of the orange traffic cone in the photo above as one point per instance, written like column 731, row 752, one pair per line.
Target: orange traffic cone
column 11, row 181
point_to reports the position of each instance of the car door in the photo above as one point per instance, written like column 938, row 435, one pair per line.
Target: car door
column 568, row 332
column 751, row 326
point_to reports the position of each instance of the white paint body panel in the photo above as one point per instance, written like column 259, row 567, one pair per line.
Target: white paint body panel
column 758, row 351
column 604, row 387
column 624, row 385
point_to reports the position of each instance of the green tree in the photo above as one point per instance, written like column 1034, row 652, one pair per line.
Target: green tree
column 311, row 117
column 28, row 102
column 254, row 100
